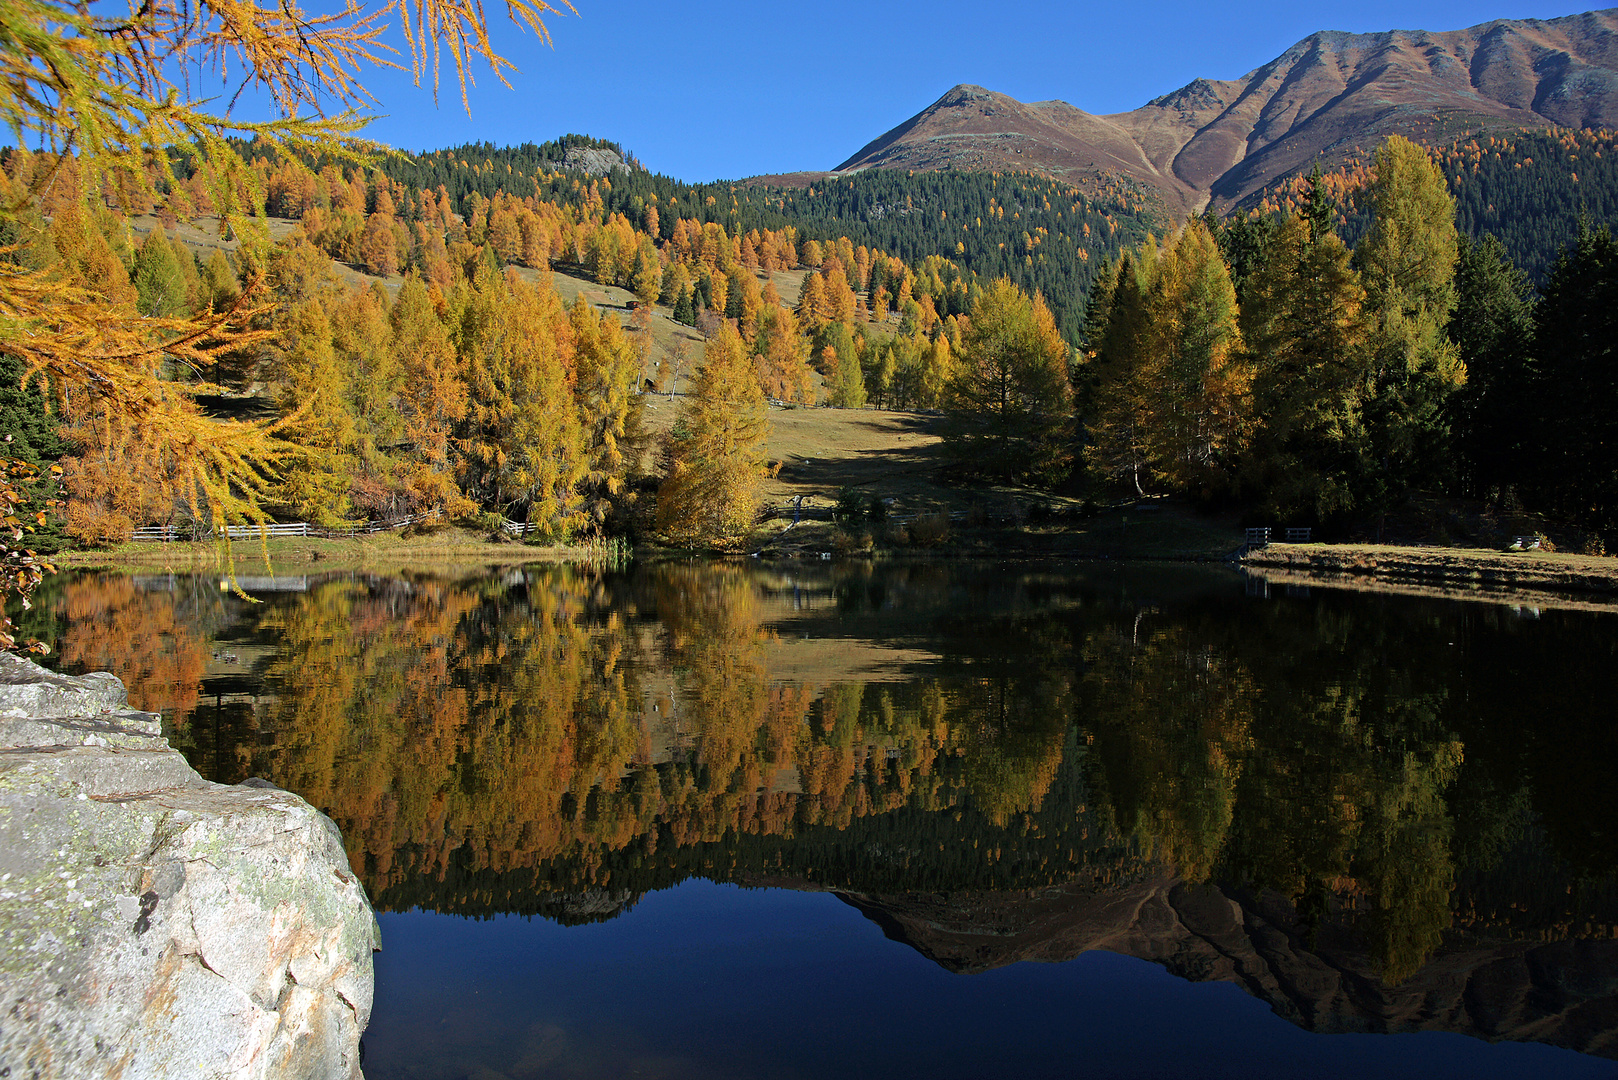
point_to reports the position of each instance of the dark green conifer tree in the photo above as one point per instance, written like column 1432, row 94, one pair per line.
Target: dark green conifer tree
column 1493, row 326
column 684, row 310
column 1319, row 209
column 28, row 429
column 1573, row 409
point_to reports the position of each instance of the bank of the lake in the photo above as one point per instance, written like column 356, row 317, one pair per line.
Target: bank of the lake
column 1532, row 570
column 299, row 554
column 1155, row 530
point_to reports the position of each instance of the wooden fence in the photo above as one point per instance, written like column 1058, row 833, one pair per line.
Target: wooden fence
column 172, row 533
column 518, row 528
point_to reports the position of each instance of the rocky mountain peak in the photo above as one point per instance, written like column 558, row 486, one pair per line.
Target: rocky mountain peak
column 1329, row 97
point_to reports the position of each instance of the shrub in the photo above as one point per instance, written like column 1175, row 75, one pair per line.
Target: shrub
column 845, row 543
column 850, row 509
column 929, row 530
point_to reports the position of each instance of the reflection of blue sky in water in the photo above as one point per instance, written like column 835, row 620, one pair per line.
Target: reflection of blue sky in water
column 713, row 981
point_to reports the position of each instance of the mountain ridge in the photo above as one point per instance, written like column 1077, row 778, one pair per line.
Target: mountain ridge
column 1554, row 990
column 1330, row 97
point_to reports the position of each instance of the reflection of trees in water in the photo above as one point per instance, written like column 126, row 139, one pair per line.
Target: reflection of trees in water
column 150, row 639
column 1288, row 754
column 1170, row 720
column 454, row 732
column 490, row 744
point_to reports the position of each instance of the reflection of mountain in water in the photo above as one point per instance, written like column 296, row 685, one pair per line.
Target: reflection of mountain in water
column 1407, row 804
column 589, row 906
column 1562, row 992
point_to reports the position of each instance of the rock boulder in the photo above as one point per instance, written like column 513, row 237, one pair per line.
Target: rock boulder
column 153, row 924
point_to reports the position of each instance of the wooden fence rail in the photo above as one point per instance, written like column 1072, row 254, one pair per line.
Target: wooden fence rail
column 173, row 533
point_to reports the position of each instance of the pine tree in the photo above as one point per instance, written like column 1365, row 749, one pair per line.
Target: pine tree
column 648, row 278
column 1196, row 383
column 784, row 358
column 1493, row 327
column 315, row 399
column 219, row 284
column 521, row 444
column 1245, row 244
column 811, row 312
column 606, row 385
column 362, row 340
column 1572, row 409
column 880, row 368
column 1318, row 208
column 31, row 430
column 685, row 311
column 845, row 381
column 432, row 399
column 938, row 368
column 1121, row 416
column 378, row 252
column 159, row 281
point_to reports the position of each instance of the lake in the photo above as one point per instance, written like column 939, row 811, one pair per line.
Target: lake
column 941, row 820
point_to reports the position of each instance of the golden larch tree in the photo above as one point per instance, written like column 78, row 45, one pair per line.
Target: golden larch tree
column 711, row 492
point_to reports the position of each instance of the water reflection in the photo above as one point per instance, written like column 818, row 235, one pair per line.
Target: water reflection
column 1376, row 813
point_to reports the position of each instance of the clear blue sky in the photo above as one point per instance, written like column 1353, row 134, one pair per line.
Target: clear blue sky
column 723, row 89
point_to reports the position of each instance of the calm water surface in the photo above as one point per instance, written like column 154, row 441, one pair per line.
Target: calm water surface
column 824, row 820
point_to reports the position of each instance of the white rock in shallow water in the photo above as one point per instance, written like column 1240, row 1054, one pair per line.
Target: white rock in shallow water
column 224, row 935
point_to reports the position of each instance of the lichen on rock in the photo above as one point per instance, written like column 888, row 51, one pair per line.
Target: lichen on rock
column 153, row 924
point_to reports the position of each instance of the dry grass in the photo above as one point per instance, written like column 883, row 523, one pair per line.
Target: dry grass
column 1516, row 596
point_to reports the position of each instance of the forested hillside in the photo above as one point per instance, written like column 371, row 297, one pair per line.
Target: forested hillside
column 455, row 380
column 1269, row 359
column 1529, row 189
column 1042, row 234
column 1211, row 364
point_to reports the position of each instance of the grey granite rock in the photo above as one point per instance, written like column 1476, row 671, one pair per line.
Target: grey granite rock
column 153, row 924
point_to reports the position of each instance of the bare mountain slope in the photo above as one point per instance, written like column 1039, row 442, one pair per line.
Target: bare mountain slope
column 1329, row 96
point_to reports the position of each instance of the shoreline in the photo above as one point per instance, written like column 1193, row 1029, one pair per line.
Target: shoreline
column 154, row 923
column 1528, row 572
column 1532, row 575
column 285, row 554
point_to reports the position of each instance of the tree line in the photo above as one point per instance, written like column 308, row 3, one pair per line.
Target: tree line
column 1259, row 359
column 469, row 389
column 1263, row 359
column 1531, row 190
column 489, row 395
column 1043, row 234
